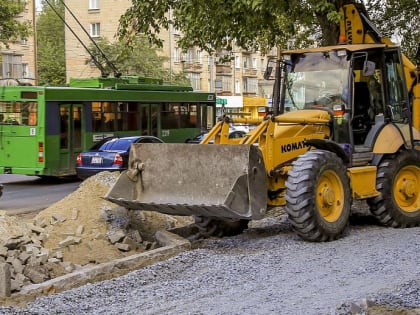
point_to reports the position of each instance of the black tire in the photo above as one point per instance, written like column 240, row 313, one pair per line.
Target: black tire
column 318, row 199
column 218, row 227
column 398, row 181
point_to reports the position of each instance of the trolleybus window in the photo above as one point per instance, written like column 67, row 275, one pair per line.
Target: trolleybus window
column 179, row 115
column 19, row 113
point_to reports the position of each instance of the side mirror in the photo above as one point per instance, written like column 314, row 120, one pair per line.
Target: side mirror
column 271, row 63
column 267, row 72
column 368, row 68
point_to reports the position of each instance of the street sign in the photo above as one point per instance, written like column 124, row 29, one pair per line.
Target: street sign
column 221, row 101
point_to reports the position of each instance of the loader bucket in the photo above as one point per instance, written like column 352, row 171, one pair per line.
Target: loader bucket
column 213, row 180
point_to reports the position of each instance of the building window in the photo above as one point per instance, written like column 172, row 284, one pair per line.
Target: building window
column 199, row 57
column 195, row 81
column 190, row 55
column 12, row 66
column 175, row 31
column 237, row 62
column 223, row 83
column 210, row 62
column 253, row 85
column 246, row 63
column 176, row 54
column 25, row 73
column 254, row 63
column 250, row 85
column 93, row 4
column 95, row 29
column 237, row 87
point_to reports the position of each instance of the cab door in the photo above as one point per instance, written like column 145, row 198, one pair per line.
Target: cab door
column 71, row 118
column 396, row 96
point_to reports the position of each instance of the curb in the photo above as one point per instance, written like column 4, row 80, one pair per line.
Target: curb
column 171, row 243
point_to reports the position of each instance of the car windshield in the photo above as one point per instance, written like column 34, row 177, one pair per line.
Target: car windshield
column 317, row 79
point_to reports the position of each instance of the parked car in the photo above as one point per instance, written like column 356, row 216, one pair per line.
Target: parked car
column 237, row 134
column 232, row 135
column 197, row 138
column 109, row 154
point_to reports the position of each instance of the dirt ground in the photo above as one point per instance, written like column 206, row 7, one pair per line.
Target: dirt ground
column 86, row 215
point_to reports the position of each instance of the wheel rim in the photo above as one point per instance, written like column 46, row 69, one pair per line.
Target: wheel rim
column 329, row 196
column 406, row 188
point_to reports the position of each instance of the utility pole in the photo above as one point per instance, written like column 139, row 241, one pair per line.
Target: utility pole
column 211, row 72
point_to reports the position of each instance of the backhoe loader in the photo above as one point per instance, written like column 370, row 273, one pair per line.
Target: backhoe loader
column 345, row 126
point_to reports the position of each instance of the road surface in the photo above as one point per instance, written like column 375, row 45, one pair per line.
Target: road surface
column 23, row 194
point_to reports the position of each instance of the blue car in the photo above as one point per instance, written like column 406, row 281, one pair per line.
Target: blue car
column 110, row 154
column 232, row 135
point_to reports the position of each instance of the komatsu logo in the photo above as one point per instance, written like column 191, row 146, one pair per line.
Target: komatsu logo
column 293, row 146
column 349, row 32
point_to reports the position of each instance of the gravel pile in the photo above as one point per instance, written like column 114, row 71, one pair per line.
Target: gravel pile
column 265, row 270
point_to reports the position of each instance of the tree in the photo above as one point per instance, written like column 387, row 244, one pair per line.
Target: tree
column 399, row 19
column 250, row 24
column 216, row 24
column 50, row 41
column 10, row 28
column 139, row 59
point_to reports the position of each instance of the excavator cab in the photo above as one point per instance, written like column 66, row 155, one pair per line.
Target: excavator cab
column 361, row 86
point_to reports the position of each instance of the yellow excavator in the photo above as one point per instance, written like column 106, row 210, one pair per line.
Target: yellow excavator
column 345, row 126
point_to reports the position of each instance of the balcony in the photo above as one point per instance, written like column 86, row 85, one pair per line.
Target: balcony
column 249, row 72
column 192, row 66
column 223, row 69
column 249, row 93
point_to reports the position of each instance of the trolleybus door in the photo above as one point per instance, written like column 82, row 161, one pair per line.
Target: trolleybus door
column 150, row 119
column 70, row 136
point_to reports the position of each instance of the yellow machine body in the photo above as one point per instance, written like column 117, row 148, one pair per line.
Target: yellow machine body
column 239, row 178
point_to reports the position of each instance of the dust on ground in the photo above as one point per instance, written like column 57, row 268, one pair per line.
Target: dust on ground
column 86, row 215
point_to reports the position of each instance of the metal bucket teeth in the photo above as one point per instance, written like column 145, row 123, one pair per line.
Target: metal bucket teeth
column 227, row 181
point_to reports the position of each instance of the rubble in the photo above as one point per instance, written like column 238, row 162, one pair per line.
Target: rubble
column 79, row 230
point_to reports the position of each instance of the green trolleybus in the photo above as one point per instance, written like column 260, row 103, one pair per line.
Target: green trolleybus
column 42, row 129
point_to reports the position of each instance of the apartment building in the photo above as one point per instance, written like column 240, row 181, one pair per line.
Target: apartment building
column 18, row 61
column 239, row 81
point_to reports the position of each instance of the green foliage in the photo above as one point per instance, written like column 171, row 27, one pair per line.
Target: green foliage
column 214, row 25
column 10, row 28
column 399, row 19
column 206, row 25
column 50, row 41
column 259, row 24
column 138, row 59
